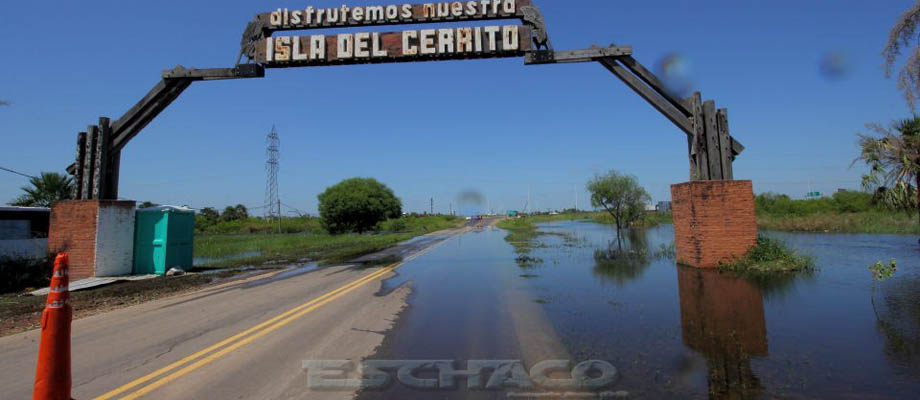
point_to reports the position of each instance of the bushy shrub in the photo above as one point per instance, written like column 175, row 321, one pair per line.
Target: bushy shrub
column 771, row 255
column 846, row 201
column 357, row 205
column 17, row 274
column 259, row 225
column 418, row 223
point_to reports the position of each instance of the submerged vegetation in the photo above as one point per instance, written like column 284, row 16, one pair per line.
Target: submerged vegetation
column 771, row 255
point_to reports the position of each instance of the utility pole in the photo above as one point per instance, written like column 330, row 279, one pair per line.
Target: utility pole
column 271, row 179
column 451, row 208
column 432, row 206
column 527, row 209
column 575, row 189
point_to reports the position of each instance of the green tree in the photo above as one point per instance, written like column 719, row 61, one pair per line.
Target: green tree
column 621, row 195
column 903, row 34
column 234, row 213
column 147, row 204
column 209, row 214
column 357, row 205
column 241, row 211
column 45, row 190
column 893, row 157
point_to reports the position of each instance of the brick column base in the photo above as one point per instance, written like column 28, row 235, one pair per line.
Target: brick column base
column 714, row 221
column 98, row 235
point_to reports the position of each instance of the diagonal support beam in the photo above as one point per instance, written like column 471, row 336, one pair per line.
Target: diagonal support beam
column 654, row 98
column 652, row 81
column 174, row 82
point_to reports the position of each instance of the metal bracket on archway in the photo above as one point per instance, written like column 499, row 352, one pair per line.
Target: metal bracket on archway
column 711, row 147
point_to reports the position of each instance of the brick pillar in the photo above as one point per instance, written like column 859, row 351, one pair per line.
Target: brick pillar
column 714, row 221
column 97, row 234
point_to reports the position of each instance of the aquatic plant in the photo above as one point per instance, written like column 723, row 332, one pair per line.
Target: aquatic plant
column 881, row 271
column 770, row 255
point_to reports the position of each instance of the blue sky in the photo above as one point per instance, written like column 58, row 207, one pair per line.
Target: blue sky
column 438, row 129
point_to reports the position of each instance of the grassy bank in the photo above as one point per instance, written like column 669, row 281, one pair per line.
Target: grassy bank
column 259, row 225
column 864, row 222
column 651, row 219
column 844, row 212
column 320, row 246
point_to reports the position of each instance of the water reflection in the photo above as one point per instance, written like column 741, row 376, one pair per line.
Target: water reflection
column 722, row 318
column 624, row 260
column 898, row 321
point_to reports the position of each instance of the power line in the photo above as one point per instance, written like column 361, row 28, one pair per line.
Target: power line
column 19, row 173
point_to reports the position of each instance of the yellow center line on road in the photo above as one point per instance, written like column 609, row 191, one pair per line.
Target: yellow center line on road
column 285, row 319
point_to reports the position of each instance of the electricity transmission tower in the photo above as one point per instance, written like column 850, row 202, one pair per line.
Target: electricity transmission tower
column 272, row 200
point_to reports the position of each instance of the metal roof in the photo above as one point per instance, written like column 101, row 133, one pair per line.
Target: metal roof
column 24, row 209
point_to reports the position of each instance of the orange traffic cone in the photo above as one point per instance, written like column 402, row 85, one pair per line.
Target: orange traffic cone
column 52, row 377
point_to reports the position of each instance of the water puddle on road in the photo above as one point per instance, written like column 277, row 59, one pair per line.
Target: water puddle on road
column 577, row 293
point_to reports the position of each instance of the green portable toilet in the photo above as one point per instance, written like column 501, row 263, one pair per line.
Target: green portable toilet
column 163, row 239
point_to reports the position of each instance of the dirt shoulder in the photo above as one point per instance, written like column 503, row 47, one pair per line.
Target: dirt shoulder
column 19, row 313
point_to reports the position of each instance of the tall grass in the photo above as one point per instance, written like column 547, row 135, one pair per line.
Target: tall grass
column 259, row 225
column 311, row 242
column 844, row 212
column 862, row 222
column 419, row 223
column 291, row 248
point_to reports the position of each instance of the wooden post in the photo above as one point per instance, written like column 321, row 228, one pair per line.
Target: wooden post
column 698, row 154
column 114, row 166
column 78, row 172
column 725, row 144
column 101, row 159
column 712, row 141
column 92, row 135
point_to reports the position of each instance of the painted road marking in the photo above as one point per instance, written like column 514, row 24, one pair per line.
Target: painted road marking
column 284, row 319
column 297, row 310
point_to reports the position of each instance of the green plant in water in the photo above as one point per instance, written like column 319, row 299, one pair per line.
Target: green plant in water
column 771, row 255
column 881, row 271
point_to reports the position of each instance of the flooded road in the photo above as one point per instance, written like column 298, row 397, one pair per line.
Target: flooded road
column 576, row 293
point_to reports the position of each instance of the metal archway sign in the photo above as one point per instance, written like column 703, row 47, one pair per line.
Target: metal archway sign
column 711, row 148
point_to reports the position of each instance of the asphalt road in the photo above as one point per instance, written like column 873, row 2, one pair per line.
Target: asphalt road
column 243, row 340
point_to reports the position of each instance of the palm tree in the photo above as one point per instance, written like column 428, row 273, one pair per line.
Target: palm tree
column 904, row 32
column 893, row 158
column 45, row 190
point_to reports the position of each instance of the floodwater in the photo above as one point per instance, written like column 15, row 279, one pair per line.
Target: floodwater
column 670, row 331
